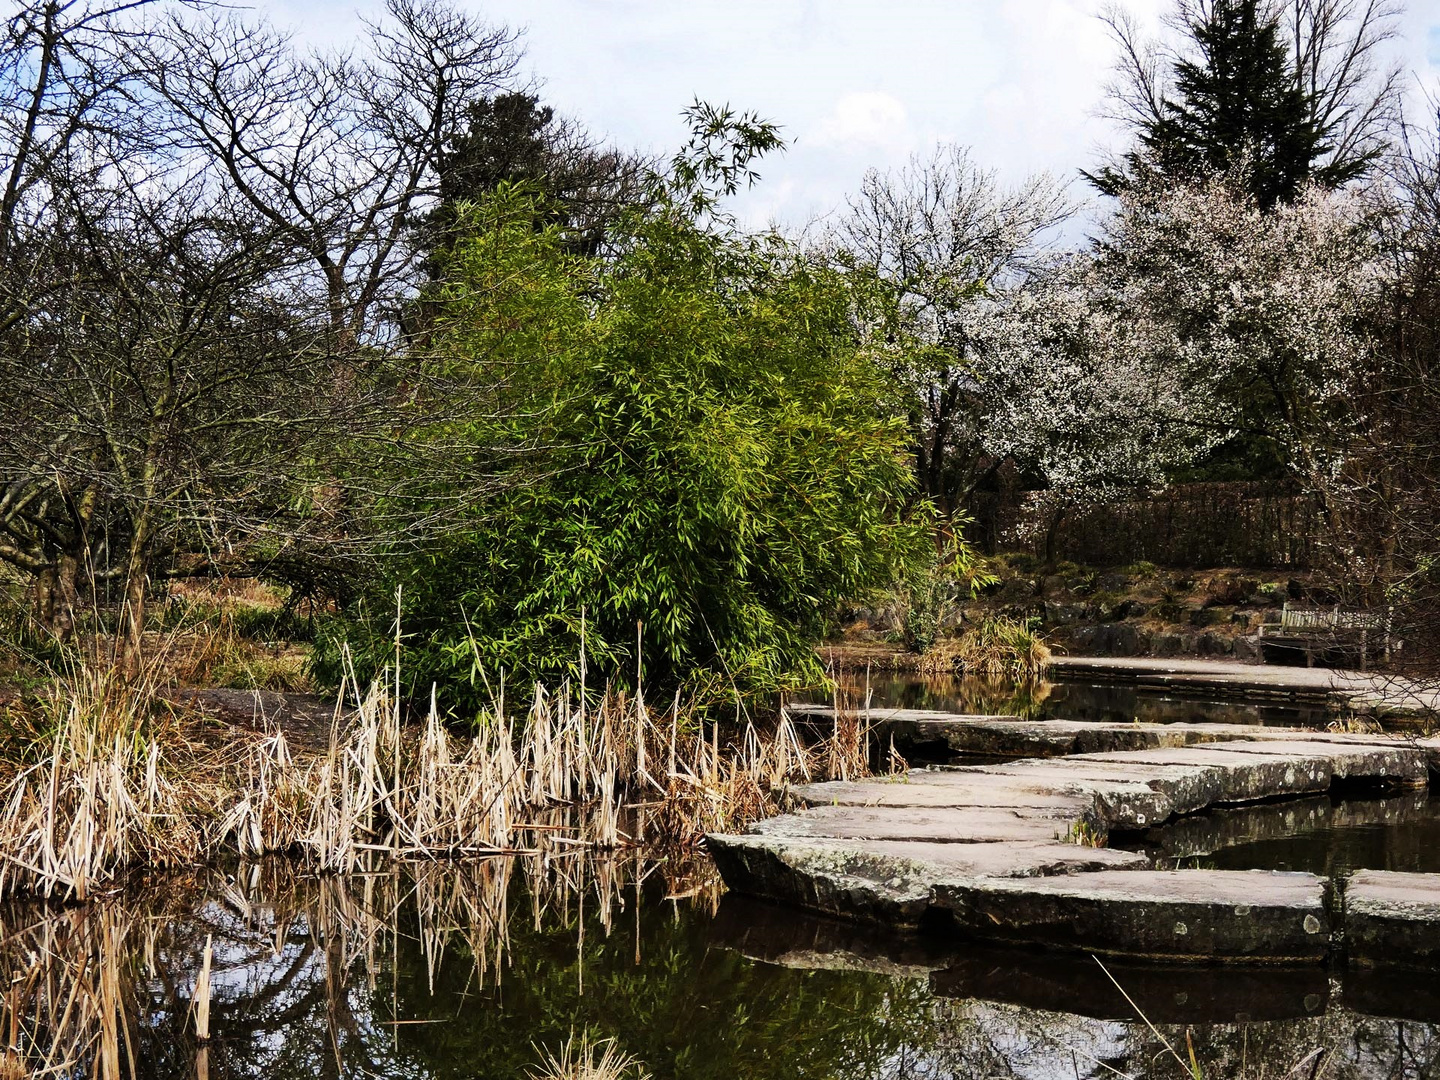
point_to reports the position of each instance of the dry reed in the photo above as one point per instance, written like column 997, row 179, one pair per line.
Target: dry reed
column 580, row 1058
column 101, row 795
column 114, row 781
column 997, row 646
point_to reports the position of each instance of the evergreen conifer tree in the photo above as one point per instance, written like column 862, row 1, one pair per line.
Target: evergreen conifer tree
column 1237, row 107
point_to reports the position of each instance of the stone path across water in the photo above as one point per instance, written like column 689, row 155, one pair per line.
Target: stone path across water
column 1357, row 689
column 1005, row 851
column 932, row 734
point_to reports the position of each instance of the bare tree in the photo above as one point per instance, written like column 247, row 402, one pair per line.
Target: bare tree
column 1354, row 94
column 1383, row 499
column 947, row 237
column 1135, row 94
column 206, row 236
column 67, row 97
column 341, row 152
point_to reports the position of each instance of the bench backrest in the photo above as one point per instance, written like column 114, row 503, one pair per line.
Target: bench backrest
column 1298, row 618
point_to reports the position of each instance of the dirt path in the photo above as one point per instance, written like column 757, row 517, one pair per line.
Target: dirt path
column 306, row 719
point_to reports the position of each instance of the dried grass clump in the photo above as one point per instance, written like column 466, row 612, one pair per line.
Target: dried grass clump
column 998, row 646
column 581, row 1059
column 423, row 791
column 111, row 780
column 94, row 792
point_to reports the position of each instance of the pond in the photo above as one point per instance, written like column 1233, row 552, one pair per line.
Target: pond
column 1091, row 699
column 475, row 971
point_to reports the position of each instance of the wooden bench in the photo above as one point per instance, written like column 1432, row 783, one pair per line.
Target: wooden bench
column 1329, row 630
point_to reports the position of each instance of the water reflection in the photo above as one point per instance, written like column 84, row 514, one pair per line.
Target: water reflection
column 444, row 971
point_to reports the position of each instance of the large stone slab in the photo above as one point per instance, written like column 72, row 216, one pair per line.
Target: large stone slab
column 963, row 825
column 1121, row 803
column 959, row 787
column 928, row 733
column 1381, row 692
column 1393, row 918
column 1396, row 763
column 1202, row 834
column 887, row 881
column 1237, row 777
column 1227, row 915
column 1127, row 795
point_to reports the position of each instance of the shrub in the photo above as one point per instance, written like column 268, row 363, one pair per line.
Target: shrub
column 710, row 468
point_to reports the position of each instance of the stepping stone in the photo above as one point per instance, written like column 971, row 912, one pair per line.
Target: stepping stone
column 1393, row 918
column 1235, row 777
column 1012, row 736
column 1233, row 915
column 1122, row 803
column 1128, row 794
column 963, row 825
column 1395, row 762
column 961, row 787
column 884, row 881
column 979, row 847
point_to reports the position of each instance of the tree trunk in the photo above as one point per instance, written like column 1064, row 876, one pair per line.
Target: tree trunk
column 45, row 588
column 58, row 589
column 132, row 617
column 67, row 600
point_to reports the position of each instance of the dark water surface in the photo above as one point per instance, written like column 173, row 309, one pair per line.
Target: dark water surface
column 440, row 972
column 1326, row 836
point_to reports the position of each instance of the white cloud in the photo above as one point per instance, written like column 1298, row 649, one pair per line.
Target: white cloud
column 870, row 119
column 855, row 83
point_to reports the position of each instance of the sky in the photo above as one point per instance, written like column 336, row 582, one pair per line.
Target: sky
column 855, row 84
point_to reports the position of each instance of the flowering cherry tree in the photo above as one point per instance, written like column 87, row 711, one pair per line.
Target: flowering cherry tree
column 1259, row 322
column 1193, row 328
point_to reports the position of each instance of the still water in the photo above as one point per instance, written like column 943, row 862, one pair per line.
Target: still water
column 475, row 971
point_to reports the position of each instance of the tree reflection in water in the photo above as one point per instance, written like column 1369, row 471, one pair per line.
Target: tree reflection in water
column 463, row 970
